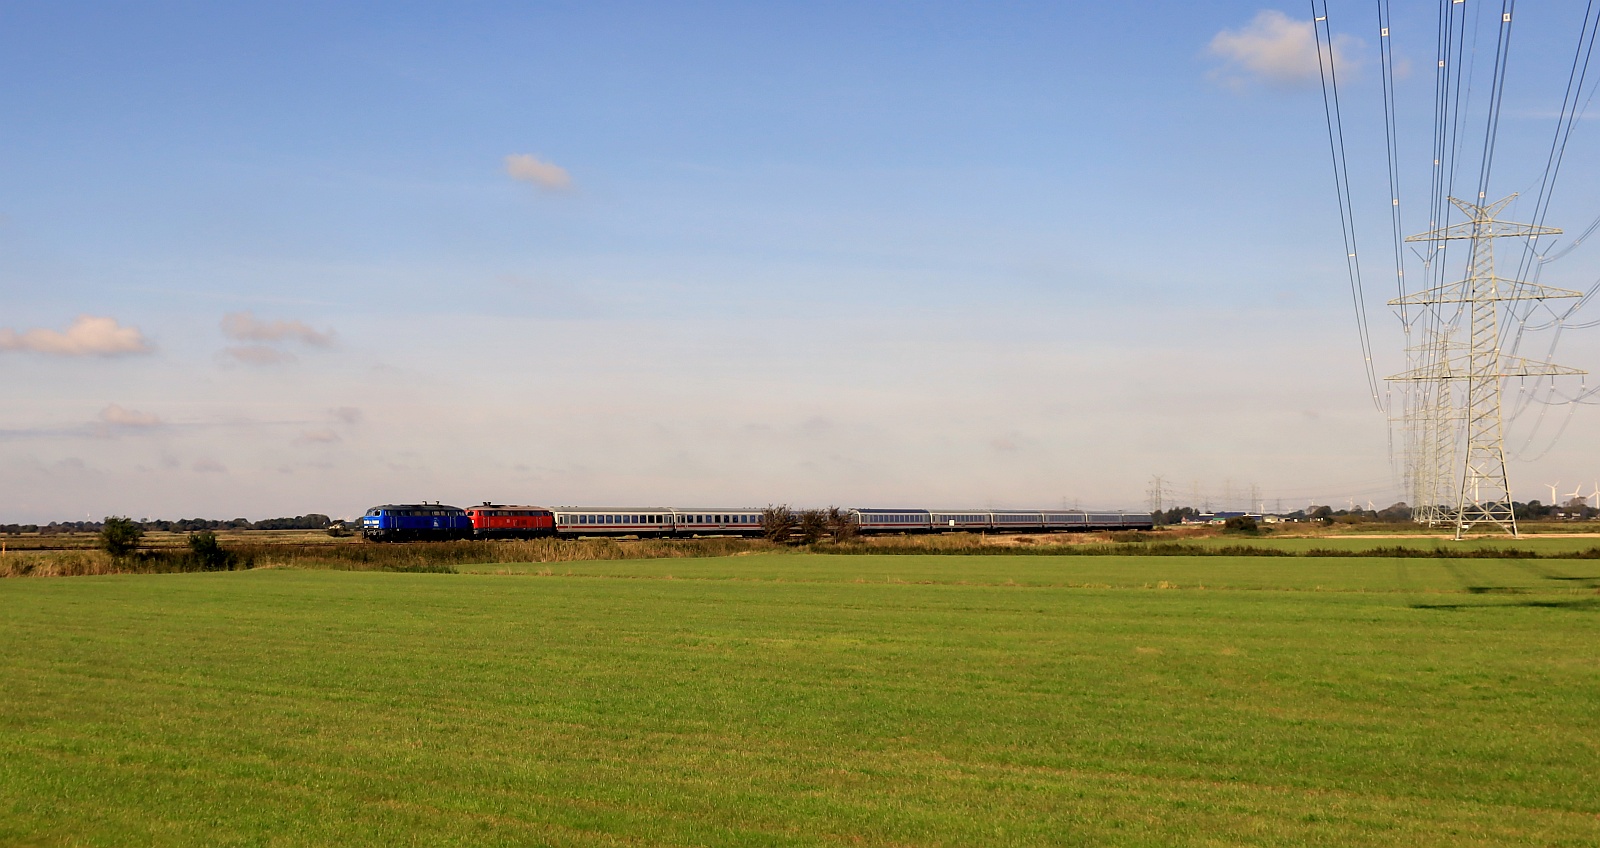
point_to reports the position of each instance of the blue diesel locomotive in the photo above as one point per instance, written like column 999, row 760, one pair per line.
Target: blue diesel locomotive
column 403, row 522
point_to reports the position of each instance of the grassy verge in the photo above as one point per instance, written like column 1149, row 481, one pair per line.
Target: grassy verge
column 408, row 557
column 805, row 700
column 449, row 556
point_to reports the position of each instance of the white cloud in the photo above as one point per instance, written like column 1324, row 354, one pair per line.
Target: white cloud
column 89, row 335
column 532, row 169
column 121, row 417
column 318, row 437
column 258, row 355
column 1276, row 49
column 245, row 327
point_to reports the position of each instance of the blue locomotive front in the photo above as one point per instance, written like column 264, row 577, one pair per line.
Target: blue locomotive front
column 397, row 522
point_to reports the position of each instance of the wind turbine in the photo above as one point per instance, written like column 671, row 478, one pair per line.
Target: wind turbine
column 1576, row 493
column 1595, row 493
column 1552, row 487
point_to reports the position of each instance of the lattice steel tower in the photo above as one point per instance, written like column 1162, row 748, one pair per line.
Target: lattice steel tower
column 1482, row 494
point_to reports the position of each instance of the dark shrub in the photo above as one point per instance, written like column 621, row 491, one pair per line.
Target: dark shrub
column 842, row 525
column 813, row 525
column 120, row 536
column 777, row 523
column 208, row 553
column 1240, row 524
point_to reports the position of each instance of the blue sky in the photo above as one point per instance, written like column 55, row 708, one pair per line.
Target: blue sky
column 1008, row 254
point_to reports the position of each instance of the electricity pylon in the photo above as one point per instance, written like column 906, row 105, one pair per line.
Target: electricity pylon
column 1482, row 494
column 1429, row 423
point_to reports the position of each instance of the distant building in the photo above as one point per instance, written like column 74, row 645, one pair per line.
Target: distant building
column 1219, row 517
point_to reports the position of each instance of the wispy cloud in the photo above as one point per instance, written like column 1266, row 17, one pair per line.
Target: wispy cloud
column 258, row 355
column 209, row 466
column 246, row 327
column 89, row 335
column 531, row 169
column 1275, row 49
column 347, row 414
column 318, row 437
column 123, row 417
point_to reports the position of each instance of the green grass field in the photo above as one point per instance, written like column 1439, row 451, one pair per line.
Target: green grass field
column 801, row 700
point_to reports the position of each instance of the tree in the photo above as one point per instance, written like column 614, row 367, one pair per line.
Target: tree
column 1176, row 515
column 777, row 523
column 813, row 525
column 842, row 524
column 120, row 536
column 208, row 553
column 1395, row 513
column 1240, row 524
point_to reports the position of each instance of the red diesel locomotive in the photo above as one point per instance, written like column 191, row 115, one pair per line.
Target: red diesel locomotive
column 497, row 521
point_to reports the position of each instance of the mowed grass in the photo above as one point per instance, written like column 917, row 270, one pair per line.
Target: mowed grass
column 1539, row 544
column 803, row 700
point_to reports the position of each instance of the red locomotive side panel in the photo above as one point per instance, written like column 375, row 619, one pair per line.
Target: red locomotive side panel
column 497, row 520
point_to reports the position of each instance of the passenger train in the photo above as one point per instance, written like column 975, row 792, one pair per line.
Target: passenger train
column 397, row 522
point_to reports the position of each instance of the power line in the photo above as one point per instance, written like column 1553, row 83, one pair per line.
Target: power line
column 1341, row 179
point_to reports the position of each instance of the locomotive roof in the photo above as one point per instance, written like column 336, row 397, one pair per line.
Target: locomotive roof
column 508, row 506
column 416, row 506
column 658, row 509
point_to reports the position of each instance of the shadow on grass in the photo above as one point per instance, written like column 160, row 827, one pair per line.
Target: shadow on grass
column 1545, row 573
column 1580, row 605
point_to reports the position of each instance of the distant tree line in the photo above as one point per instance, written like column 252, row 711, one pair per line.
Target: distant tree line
column 1394, row 513
column 1398, row 513
column 312, row 521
